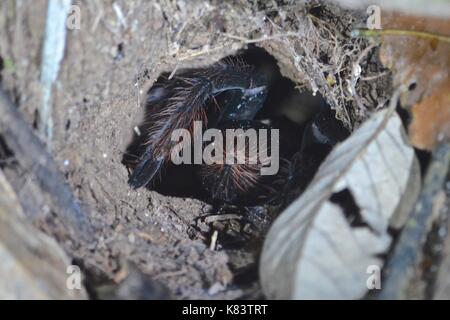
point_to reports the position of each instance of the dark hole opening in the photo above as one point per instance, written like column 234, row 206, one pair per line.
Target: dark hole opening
column 120, row 52
column 281, row 110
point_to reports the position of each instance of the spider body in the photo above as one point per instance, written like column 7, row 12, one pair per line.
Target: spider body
column 241, row 181
column 178, row 103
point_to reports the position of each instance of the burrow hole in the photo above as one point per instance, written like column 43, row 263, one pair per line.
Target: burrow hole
column 286, row 108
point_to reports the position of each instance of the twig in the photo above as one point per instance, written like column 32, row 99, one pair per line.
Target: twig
column 189, row 56
column 407, row 251
column 52, row 55
column 172, row 74
column 397, row 32
column 264, row 38
column 214, row 237
column 356, row 76
column 374, row 77
column 221, row 217
column 119, row 14
column 33, row 157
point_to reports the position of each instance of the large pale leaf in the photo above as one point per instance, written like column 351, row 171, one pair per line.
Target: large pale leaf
column 312, row 250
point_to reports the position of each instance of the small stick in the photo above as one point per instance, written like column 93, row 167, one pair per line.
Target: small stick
column 33, row 156
column 367, row 33
column 52, row 55
column 214, row 237
column 190, row 56
column 264, row 38
column 221, row 217
column 400, row 267
column 374, row 77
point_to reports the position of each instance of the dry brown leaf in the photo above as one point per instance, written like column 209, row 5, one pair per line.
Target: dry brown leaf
column 423, row 65
column 431, row 118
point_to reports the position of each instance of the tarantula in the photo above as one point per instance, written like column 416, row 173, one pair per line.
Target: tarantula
column 190, row 97
column 242, row 183
column 226, row 95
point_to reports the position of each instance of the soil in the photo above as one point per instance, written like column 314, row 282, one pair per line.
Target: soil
column 108, row 67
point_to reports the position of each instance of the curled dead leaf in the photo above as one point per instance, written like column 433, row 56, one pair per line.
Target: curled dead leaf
column 322, row 245
column 421, row 64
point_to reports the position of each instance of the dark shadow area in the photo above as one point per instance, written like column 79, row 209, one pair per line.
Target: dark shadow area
column 345, row 200
column 423, row 156
column 285, row 108
column 6, row 154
